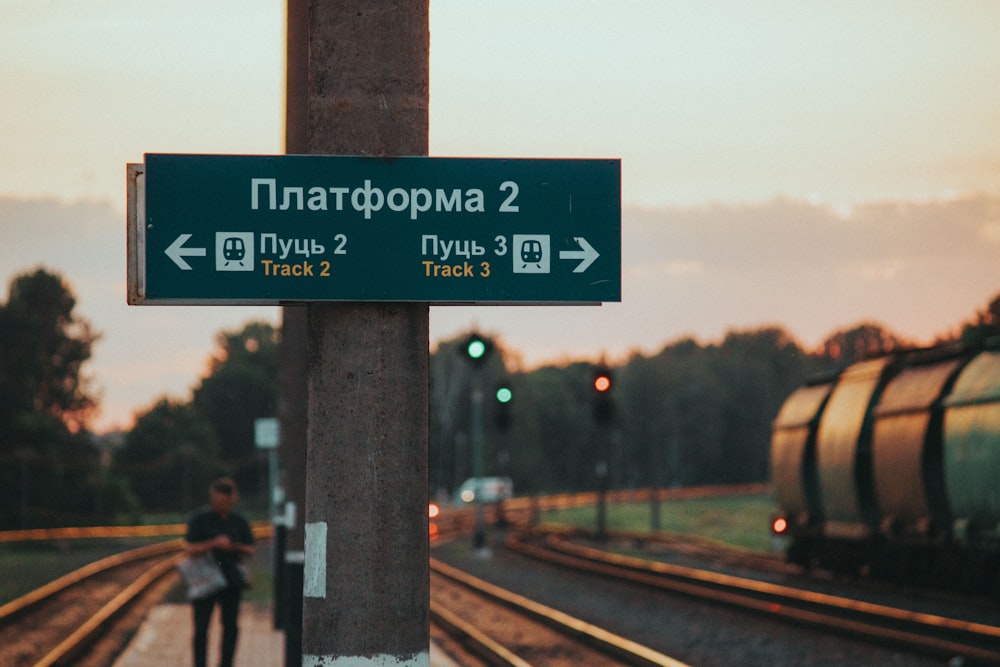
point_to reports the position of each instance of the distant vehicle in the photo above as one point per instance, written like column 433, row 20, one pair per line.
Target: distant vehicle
column 492, row 490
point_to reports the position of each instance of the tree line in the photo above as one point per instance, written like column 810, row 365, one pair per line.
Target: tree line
column 55, row 472
column 692, row 413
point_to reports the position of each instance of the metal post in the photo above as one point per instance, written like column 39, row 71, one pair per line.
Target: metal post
column 602, row 499
column 292, row 452
column 293, row 409
column 366, row 575
column 655, row 465
column 267, row 436
column 280, row 548
column 479, row 532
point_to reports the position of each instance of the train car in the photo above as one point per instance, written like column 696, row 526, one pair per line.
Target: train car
column 893, row 467
column 972, row 452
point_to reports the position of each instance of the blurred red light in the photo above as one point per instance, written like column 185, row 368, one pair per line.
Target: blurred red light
column 779, row 525
column 602, row 383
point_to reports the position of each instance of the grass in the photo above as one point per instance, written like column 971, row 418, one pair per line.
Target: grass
column 741, row 521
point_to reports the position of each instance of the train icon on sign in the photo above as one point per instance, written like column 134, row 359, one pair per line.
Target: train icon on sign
column 531, row 253
column 234, row 251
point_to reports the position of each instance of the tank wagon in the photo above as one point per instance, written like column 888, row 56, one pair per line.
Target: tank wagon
column 892, row 467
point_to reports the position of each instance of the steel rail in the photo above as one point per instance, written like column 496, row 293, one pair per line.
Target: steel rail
column 83, row 636
column 477, row 642
column 11, row 610
column 71, row 647
column 619, row 647
column 938, row 635
column 15, row 608
column 260, row 529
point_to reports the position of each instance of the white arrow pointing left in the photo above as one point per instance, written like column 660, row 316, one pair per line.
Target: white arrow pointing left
column 178, row 252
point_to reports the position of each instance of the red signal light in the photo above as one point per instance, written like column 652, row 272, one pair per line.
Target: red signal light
column 779, row 525
column 602, row 405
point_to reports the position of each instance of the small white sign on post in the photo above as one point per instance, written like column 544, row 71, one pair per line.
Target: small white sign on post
column 265, row 432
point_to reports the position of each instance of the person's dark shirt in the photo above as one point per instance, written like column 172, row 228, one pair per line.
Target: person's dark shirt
column 206, row 523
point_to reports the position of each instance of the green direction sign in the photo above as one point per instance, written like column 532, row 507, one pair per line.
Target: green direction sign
column 239, row 229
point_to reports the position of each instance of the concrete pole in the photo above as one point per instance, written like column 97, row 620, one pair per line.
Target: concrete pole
column 367, row 591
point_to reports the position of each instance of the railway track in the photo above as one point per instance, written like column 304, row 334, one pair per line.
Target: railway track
column 70, row 614
column 930, row 634
column 514, row 631
column 59, row 622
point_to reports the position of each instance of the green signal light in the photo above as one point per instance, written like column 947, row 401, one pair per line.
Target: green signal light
column 476, row 349
column 504, row 394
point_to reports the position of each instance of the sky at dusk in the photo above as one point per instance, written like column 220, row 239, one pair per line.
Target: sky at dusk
column 806, row 165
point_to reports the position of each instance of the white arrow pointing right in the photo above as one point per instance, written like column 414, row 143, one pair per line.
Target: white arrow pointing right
column 587, row 255
column 177, row 252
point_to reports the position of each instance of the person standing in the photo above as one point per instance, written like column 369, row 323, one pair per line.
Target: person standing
column 219, row 529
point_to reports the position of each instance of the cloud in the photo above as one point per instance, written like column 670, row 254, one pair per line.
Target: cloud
column 919, row 266
column 875, row 271
column 990, row 232
column 670, row 269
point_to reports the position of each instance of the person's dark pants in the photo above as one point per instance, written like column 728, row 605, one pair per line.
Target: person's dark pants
column 229, row 603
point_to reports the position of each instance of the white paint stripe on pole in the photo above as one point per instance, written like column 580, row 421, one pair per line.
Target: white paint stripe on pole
column 384, row 660
column 314, row 572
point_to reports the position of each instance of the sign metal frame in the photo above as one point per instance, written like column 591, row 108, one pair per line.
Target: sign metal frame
column 270, row 230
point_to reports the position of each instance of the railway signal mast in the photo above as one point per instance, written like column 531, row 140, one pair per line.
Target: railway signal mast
column 504, row 396
column 477, row 350
column 603, row 407
column 603, row 403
